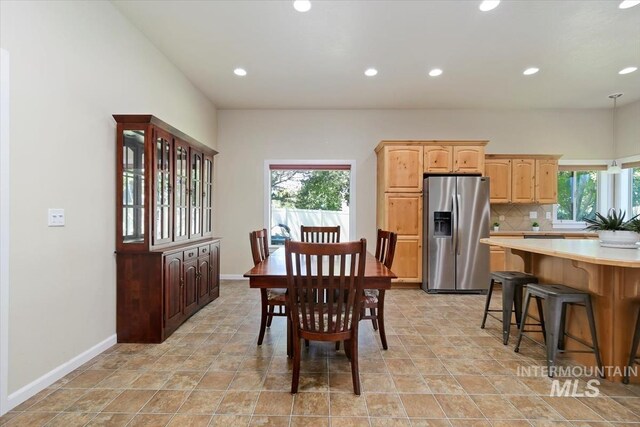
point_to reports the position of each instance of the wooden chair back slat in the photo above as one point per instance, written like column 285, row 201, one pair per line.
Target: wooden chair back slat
column 259, row 245
column 320, row 234
column 386, row 247
column 325, row 298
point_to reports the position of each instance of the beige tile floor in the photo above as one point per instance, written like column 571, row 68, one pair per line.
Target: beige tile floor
column 441, row 369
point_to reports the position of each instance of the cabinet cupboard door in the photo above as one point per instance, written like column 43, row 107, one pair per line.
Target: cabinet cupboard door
column 204, row 279
column 499, row 173
column 547, row 181
column 181, row 191
column 438, row 159
column 173, row 302
column 522, row 178
column 403, row 214
column 496, row 259
column 207, row 197
column 190, row 287
column 407, row 263
column 162, row 186
column 214, row 288
column 468, row 159
column 195, row 194
column 403, row 168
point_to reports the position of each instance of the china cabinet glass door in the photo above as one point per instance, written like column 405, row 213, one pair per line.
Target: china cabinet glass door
column 181, row 199
column 163, row 187
column 196, row 194
column 207, row 196
column 133, row 228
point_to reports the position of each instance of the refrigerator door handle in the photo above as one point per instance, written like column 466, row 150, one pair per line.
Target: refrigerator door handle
column 454, row 234
column 457, row 224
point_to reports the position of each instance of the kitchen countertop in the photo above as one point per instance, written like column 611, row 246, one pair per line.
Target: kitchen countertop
column 545, row 233
column 585, row 250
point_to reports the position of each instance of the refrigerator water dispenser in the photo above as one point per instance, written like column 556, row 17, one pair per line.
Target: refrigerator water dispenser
column 442, row 224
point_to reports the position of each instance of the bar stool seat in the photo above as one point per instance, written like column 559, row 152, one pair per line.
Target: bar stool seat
column 513, row 283
column 556, row 298
column 633, row 354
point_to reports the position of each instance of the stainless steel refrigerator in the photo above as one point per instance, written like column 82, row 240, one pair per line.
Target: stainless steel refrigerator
column 456, row 217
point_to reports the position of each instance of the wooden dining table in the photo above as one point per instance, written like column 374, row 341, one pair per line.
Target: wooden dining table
column 272, row 273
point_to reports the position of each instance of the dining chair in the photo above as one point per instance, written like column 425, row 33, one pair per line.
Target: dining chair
column 271, row 299
column 335, row 270
column 311, row 234
column 374, row 299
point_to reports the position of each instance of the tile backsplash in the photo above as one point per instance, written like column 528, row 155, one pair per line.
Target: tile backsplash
column 516, row 217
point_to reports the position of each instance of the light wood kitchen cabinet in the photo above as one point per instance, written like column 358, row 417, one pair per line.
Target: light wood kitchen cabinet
column 402, row 168
column 499, row 173
column 523, row 180
column 407, row 262
column 438, row 159
column 546, row 181
column 497, row 259
column 403, row 214
column 468, row 159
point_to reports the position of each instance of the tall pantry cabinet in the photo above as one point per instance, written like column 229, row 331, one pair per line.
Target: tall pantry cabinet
column 167, row 258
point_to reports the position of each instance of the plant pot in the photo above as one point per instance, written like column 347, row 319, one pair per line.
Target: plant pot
column 496, row 228
column 535, row 228
column 619, row 239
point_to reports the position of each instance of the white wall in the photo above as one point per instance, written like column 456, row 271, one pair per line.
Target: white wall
column 628, row 130
column 247, row 137
column 73, row 65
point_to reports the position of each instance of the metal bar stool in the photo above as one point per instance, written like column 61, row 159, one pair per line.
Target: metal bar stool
column 513, row 283
column 633, row 356
column 556, row 299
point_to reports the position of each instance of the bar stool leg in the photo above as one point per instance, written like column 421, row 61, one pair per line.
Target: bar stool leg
column 517, row 304
column 554, row 312
column 594, row 336
column 541, row 316
column 563, row 321
column 634, row 351
column 487, row 303
column 507, row 310
column 525, row 311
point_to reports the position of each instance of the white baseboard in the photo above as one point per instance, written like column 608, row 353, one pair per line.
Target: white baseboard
column 17, row 397
column 232, row 277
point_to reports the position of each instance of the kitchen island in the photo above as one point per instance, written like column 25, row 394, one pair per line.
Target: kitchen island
column 611, row 276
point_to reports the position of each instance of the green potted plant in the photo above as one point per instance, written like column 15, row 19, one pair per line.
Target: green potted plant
column 496, row 226
column 613, row 231
column 535, row 226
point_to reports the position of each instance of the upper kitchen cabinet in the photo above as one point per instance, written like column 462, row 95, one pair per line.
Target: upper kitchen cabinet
column 522, row 178
column 438, row 159
column 468, row 159
column 401, row 168
column 499, row 173
column 547, row 181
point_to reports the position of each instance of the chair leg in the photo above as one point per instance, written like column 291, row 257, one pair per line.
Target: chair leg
column 295, row 378
column 337, row 345
column 553, row 313
column 383, row 335
column 508, row 298
column 594, row 335
column 486, row 304
column 525, row 311
column 306, row 343
column 355, row 374
column 270, row 311
column 634, row 351
column 372, row 312
column 263, row 318
column 347, row 349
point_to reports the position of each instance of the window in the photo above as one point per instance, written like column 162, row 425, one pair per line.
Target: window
column 635, row 191
column 305, row 193
column 582, row 191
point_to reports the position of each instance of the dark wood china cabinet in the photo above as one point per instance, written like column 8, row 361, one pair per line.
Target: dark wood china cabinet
column 167, row 258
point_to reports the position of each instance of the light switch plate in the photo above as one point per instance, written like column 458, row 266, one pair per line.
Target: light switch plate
column 501, row 217
column 533, row 214
column 56, row 218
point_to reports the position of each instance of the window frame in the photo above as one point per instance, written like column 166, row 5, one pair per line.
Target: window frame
column 604, row 196
column 623, row 194
column 352, row 188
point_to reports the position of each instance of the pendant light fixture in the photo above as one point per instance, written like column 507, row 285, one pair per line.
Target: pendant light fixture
column 613, row 168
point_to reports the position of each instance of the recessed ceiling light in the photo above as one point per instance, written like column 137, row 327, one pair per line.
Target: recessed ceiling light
column 435, row 72
column 530, row 71
column 302, row 5
column 488, row 5
column 370, row 72
column 240, row 72
column 627, row 70
column 626, row 4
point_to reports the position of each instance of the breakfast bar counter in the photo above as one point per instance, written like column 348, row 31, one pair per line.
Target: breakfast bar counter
column 610, row 275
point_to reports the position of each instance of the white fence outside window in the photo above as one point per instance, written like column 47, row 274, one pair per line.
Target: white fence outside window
column 294, row 218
